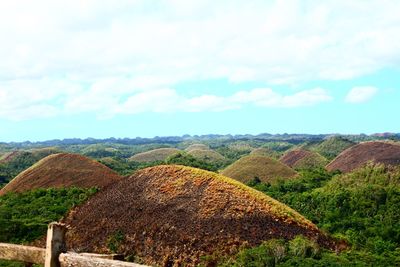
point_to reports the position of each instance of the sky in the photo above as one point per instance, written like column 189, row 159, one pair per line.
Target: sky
column 89, row 68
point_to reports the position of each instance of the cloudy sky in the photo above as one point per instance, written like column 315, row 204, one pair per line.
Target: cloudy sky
column 145, row 68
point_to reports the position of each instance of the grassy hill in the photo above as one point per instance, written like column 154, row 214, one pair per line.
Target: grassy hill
column 197, row 147
column 359, row 155
column 62, row 170
column 168, row 215
column 207, row 155
column 303, row 159
column 263, row 151
column 266, row 169
column 160, row 154
column 333, row 146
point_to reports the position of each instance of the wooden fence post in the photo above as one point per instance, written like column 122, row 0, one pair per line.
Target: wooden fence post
column 55, row 244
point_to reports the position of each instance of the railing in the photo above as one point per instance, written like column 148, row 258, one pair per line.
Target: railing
column 55, row 254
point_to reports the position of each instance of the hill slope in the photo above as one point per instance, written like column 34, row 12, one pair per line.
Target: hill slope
column 265, row 168
column 303, row 159
column 62, row 170
column 159, row 154
column 207, row 155
column 197, row 146
column 359, row 155
column 173, row 215
column 333, row 146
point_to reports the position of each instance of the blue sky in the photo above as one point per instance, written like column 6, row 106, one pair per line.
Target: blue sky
column 148, row 68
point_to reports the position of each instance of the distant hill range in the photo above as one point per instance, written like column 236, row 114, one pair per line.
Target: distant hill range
column 291, row 138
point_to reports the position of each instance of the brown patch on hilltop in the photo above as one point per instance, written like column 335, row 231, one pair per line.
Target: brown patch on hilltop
column 268, row 170
column 62, row 170
column 300, row 158
column 359, row 155
column 174, row 214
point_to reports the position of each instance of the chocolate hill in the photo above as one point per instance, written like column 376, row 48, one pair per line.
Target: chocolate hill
column 62, row 170
column 268, row 170
column 159, row 154
column 207, row 155
column 172, row 215
column 303, row 159
column 359, row 155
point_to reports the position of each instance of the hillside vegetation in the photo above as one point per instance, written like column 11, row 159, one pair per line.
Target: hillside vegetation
column 160, row 154
column 265, row 169
column 361, row 206
column 303, row 159
column 333, row 146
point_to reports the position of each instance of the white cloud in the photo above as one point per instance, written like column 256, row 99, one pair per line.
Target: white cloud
column 167, row 100
column 361, row 94
column 101, row 56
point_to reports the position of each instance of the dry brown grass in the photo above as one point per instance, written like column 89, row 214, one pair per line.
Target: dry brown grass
column 171, row 214
column 268, row 170
column 62, row 170
column 387, row 153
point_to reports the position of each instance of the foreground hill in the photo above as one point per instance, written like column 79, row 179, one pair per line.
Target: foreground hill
column 159, row 154
column 268, row 170
column 62, row 170
column 359, row 155
column 303, row 159
column 170, row 215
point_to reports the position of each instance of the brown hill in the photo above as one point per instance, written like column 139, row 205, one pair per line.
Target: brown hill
column 359, row 155
column 268, row 170
column 62, row 170
column 303, row 159
column 159, row 154
column 173, row 215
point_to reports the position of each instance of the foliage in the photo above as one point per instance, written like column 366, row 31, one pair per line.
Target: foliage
column 114, row 241
column 361, row 207
column 24, row 216
column 189, row 160
column 11, row 169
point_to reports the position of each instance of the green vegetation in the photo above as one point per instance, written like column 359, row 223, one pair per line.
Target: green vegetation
column 333, row 146
column 360, row 207
column 189, row 160
column 24, row 217
column 9, row 170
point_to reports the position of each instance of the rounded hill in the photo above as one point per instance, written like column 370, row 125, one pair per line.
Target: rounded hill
column 303, row 159
column 159, row 154
column 62, row 170
column 171, row 215
column 264, row 151
column 359, row 155
column 266, row 169
column 197, row 147
column 207, row 155
column 333, row 146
